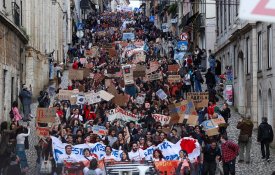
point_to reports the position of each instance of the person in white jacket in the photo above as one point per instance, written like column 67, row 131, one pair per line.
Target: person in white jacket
column 20, row 147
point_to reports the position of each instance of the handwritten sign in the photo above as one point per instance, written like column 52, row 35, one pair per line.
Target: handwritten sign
column 173, row 68
column 161, row 94
column 153, row 77
column 154, row 66
column 46, row 115
column 174, row 79
column 43, row 131
column 163, row 119
column 99, row 130
column 121, row 114
column 200, row 99
column 64, row 94
column 93, row 98
column 167, row 167
column 193, row 120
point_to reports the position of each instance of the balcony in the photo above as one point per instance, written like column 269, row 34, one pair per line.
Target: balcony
column 200, row 21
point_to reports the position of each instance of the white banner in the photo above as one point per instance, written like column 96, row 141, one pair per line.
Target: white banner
column 169, row 150
column 163, row 119
column 120, row 114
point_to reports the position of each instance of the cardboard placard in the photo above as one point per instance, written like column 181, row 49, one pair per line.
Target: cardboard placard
column 45, row 115
column 64, row 94
column 218, row 121
column 105, row 95
column 121, row 100
column 92, row 98
column 193, row 120
column 163, row 119
column 83, row 60
column 140, row 57
column 184, row 109
column 173, row 68
column 154, row 66
column 212, row 132
column 161, row 94
column 139, row 71
column 128, row 74
column 43, row 132
column 152, row 77
column 121, row 114
column 174, row 79
column 167, row 167
column 99, row 130
column 200, row 99
column 76, row 74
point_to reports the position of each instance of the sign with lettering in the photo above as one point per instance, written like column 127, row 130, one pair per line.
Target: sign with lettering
column 154, row 66
column 174, row 79
column 161, row 94
column 43, row 132
column 163, row 119
column 173, row 68
column 200, row 99
column 99, row 130
column 120, row 114
column 156, row 76
column 167, row 167
column 64, row 94
column 45, row 115
column 93, row 98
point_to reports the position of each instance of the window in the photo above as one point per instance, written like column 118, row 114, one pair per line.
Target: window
column 269, row 46
column 229, row 9
column 228, row 59
column 217, row 19
column 247, row 55
column 4, row 3
column 235, row 62
column 260, row 51
column 221, row 9
column 237, row 7
column 225, row 15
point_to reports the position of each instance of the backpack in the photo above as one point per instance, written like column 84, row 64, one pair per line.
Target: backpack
column 11, row 114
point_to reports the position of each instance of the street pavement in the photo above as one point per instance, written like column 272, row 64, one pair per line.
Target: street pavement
column 257, row 166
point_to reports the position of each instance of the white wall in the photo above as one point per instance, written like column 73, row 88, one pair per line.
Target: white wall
column 210, row 9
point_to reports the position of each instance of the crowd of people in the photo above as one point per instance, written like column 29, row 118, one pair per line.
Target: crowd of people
column 131, row 138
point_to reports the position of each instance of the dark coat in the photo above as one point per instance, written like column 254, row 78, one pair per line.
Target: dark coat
column 246, row 127
column 265, row 133
column 210, row 78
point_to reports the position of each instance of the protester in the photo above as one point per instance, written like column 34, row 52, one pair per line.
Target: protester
column 230, row 151
column 265, row 137
column 14, row 167
column 20, row 147
column 16, row 115
column 25, row 97
column 245, row 138
column 210, row 156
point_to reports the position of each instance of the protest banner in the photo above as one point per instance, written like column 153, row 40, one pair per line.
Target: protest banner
column 192, row 120
column 120, row 114
column 161, row 94
column 181, row 110
column 156, row 76
column 105, row 95
column 174, row 79
column 92, row 98
column 45, row 115
column 173, row 68
column 99, row 130
column 170, row 151
column 200, row 99
column 167, row 167
column 43, row 132
column 163, row 119
column 64, row 94
column 76, row 74
column 210, row 128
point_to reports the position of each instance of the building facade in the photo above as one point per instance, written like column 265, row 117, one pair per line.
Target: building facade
column 248, row 48
column 29, row 31
column 12, row 58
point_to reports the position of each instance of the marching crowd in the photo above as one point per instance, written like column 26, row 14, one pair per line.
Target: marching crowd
column 131, row 138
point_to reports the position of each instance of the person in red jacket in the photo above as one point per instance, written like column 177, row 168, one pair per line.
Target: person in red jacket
column 211, row 109
column 75, row 64
column 89, row 113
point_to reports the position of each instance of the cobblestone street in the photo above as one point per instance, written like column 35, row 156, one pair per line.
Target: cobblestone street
column 256, row 167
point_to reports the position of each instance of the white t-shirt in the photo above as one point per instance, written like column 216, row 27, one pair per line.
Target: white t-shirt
column 97, row 171
column 109, row 158
column 78, row 117
column 68, row 158
column 137, row 156
column 187, row 80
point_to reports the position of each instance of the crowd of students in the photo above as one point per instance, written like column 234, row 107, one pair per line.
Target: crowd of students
column 132, row 138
